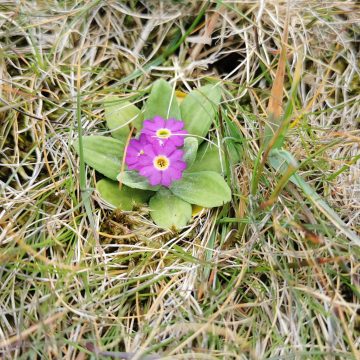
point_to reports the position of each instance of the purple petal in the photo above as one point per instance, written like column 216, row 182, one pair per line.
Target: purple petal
column 179, row 165
column 174, row 125
column 150, row 151
column 147, row 170
column 147, row 139
column 168, row 148
column 176, row 174
column 134, row 145
column 130, row 159
column 155, row 178
column 147, row 132
column 159, row 149
column 176, row 155
column 132, row 151
column 166, row 178
column 159, row 121
column 133, row 166
column 149, row 126
column 177, row 140
column 183, row 133
column 137, row 161
column 143, row 139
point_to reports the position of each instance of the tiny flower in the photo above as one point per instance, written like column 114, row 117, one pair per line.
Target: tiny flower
column 135, row 152
column 165, row 131
column 162, row 164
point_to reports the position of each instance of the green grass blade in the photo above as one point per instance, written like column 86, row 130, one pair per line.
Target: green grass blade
column 277, row 160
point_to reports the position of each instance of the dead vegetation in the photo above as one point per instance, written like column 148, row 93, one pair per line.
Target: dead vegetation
column 239, row 282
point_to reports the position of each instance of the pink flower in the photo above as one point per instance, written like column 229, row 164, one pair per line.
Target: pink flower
column 165, row 131
column 135, row 152
column 162, row 164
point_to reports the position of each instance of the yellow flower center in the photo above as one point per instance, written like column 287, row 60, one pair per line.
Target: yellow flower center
column 161, row 162
column 163, row 133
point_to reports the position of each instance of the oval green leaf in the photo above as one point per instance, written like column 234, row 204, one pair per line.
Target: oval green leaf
column 135, row 181
column 190, row 150
column 119, row 115
column 210, row 158
column 103, row 154
column 168, row 211
column 162, row 102
column 123, row 199
column 199, row 108
column 207, row 159
column 205, row 188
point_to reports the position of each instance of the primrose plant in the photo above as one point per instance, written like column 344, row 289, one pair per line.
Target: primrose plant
column 168, row 163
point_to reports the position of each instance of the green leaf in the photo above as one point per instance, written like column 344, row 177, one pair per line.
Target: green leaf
column 162, row 102
column 103, row 154
column 123, row 199
column 279, row 159
column 205, row 188
column 136, row 181
column 199, row 108
column 210, row 158
column 168, row 211
column 190, row 150
column 207, row 159
column 119, row 115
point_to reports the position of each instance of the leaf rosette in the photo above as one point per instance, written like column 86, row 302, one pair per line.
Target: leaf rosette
column 167, row 163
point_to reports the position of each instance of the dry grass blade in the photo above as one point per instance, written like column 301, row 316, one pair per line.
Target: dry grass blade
column 275, row 106
column 21, row 337
column 239, row 281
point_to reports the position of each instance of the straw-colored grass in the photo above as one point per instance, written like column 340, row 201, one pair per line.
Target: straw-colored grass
column 269, row 276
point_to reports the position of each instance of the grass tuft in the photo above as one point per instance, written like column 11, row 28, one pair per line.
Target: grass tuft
column 273, row 275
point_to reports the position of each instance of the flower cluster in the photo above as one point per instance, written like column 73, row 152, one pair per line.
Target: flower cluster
column 156, row 154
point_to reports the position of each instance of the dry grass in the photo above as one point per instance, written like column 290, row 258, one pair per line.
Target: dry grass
column 238, row 282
